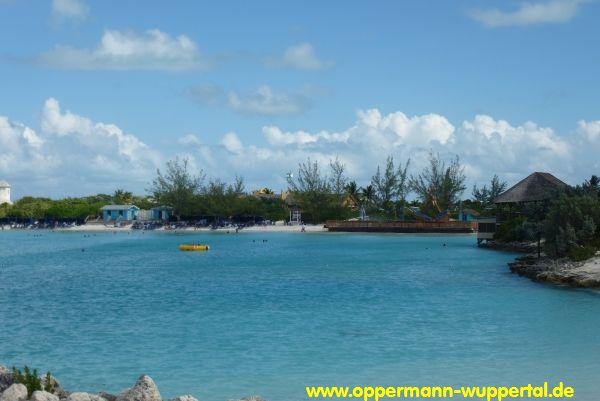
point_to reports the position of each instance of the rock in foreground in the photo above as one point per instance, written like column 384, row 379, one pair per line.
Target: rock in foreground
column 144, row 390
column 16, row 392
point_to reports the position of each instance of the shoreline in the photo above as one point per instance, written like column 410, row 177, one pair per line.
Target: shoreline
column 308, row 228
column 554, row 271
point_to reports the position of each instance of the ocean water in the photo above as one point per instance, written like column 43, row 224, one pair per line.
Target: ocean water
column 270, row 313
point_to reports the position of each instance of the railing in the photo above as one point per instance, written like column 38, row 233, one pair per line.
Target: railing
column 399, row 226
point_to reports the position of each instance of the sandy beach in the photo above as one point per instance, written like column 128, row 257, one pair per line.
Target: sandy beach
column 308, row 228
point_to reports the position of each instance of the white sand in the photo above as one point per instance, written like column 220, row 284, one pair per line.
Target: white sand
column 309, row 228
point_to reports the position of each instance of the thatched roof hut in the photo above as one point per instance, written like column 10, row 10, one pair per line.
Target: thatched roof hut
column 533, row 188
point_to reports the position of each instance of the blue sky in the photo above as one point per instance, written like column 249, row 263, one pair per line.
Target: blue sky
column 98, row 94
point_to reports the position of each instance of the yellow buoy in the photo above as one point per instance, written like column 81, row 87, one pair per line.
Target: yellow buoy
column 193, row 247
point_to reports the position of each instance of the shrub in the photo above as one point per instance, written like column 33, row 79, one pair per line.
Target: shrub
column 580, row 253
column 32, row 381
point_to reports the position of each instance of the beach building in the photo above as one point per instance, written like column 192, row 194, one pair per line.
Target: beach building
column 537, row 187
column 119, row 212
column 162, row 213
column 468, row 215
column 294, row 209
column 5, row 192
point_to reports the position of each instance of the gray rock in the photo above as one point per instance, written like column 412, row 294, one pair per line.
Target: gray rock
column 84, row 397
column 56, row 387
column 144, row 390
column 107, row 396
column 6, row 378
column 184, row 398
column 251, row 398
column 16, row 392
column 43, row 396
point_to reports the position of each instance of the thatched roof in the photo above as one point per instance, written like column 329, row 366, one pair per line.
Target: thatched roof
column 535, row 187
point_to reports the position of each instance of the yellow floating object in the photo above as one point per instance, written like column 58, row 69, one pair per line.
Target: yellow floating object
column 193, row 247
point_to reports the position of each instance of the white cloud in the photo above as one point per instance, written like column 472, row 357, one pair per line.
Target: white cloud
column 486, row 146
column 301, row 57
column 118, row 50
column 74, row 9
column 72, row 154
column 276, row 137
column 189, row 140
column 589, row 129
column 265, row 101
column 232, row 143
column 528, row 13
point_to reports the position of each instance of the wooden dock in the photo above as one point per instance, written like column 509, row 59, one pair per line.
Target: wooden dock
column 421, row 227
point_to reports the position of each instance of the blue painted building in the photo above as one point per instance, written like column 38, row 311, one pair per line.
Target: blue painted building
column 162, row 213
column 119, row 212
column 468, row 215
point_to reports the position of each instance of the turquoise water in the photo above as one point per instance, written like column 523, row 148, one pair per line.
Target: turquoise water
column 271, row 313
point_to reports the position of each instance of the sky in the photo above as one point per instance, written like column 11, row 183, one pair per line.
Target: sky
column 98, row 95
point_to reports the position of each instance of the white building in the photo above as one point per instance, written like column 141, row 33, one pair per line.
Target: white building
column 4, row 192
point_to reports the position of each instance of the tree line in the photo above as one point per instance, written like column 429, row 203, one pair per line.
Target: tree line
column 320, row 193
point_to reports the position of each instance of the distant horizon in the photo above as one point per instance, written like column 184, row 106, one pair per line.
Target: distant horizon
column 104, row 93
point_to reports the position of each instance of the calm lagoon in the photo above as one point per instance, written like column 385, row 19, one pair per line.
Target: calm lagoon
column 270, row 313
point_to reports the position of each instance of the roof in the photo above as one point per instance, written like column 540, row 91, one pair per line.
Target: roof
column 4, row 184
column 162, row 207
column 119, row 207
column 534, row 187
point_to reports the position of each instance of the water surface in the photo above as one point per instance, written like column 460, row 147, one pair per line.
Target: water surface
column 269, row 313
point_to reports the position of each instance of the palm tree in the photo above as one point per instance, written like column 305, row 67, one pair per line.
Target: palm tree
column 353, row 194
column 368, row 195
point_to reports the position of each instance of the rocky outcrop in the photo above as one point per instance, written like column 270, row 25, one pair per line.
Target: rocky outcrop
column 107, row 396
column 43, row 396
column 559, row 271
column 516, row 246
column 144, row 390
column 84, row 397
column 6, row 378
column 55, row 386
column 251, row 398
column 184, row 398
column 16, row 392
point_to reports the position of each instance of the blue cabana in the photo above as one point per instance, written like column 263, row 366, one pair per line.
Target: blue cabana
column 119, row 212
column 162, row 213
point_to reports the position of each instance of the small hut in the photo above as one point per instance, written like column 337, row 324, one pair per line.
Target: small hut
column 536, row 187
column 119, row 212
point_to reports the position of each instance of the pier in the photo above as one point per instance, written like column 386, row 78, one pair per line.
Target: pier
column 449, row 227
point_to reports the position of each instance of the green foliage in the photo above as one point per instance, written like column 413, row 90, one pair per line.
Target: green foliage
column 581, row 253
column 572, row 223
column 391, row 187
column 485, row 196
column 177, row 187
column 32, row 381
column 439, row 185
column 511, row 230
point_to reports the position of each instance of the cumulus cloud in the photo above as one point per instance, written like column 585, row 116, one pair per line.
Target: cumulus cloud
column 547, row 12
column 486, row 146
column 589, row 129
column 232, row 143
column 73, row 154
column 118, row 50
column 69, row 9
column 301, row 57
column 265, row 101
